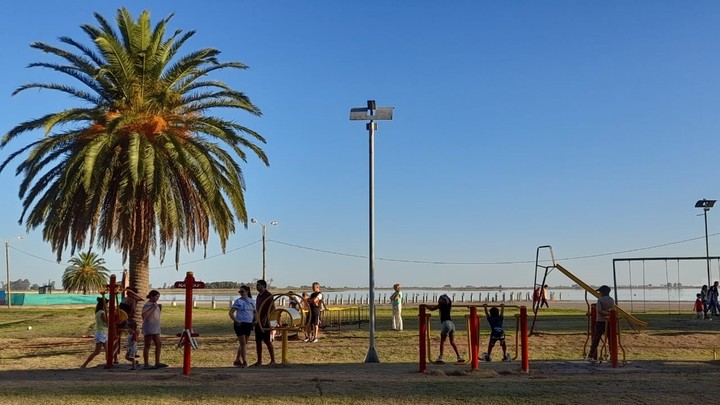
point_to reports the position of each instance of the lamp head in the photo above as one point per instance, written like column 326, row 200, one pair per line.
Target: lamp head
column 252, row 220
column 274, row 223
column 705, row 204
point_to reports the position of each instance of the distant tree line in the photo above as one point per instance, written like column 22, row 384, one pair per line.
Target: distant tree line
column 26, row 285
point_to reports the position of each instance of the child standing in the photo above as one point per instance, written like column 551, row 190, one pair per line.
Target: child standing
column 699, row 307
column 101, row 330
column 132, row 345
column 497, row 334
column 447, row 328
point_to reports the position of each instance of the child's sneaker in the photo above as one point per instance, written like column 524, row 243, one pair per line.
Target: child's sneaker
column 461, row 359
column 506, row 357
column 485, row 357
column 440, row 360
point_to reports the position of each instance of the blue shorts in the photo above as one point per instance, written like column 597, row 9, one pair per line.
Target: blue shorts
column 101, row 337
column 447, row 327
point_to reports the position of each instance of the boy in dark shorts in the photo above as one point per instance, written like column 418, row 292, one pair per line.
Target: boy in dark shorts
column 497, row 334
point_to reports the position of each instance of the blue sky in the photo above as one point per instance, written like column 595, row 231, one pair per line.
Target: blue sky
column 589, row 126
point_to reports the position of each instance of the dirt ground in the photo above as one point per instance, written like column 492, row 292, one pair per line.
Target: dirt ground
column 659, row 367
column 558, row 382
column 547, row 382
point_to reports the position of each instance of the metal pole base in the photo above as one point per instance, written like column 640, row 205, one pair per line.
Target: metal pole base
column 372, row 356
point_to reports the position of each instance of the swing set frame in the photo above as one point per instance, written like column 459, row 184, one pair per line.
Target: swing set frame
column 677, row 259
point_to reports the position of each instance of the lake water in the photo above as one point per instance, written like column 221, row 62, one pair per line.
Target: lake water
column 419, row 296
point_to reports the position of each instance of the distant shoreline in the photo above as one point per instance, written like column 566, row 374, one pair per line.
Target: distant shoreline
column 466, row 288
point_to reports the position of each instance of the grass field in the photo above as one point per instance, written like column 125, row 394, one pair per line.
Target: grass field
column 41, row 365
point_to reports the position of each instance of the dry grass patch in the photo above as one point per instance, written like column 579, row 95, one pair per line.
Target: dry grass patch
column 674, row 348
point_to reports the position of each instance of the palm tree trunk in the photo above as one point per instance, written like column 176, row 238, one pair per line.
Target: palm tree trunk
column 140, row 276
column 140, row 251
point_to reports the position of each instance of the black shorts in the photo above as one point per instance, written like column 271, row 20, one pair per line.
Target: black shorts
column 243, row 328
column 497, row 334
column 315, row 315
column 262, row 334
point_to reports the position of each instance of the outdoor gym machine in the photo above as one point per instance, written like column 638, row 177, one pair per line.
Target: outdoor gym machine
column 473, row 336
column 187, row 336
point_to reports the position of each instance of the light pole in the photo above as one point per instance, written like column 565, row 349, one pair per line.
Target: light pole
column 706, row 205
column 254, row 221
column 7, row 269
column 371, row 113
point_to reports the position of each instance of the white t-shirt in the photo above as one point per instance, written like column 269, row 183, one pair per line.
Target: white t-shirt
column 151, row 321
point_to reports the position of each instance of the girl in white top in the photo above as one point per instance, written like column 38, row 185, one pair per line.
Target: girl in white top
column 101, row 330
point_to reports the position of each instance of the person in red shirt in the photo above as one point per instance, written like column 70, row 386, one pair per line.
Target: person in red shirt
column 536, row 297
column 699, row 307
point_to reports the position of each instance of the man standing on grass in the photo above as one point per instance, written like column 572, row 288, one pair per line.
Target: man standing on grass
column 316, row 305
column 602, row 310
column 265, row 305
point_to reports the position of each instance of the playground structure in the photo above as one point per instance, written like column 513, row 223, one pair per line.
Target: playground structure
column 473, row 328
column 611, row 342
column 114, row 317
column 286, row 320
column 336, row 317
column 669, row 284
column 635, row 323
column 117, row 316
column 289, row 321
column 187, row 336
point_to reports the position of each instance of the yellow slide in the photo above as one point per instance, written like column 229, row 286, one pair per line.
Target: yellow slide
column 637, row 324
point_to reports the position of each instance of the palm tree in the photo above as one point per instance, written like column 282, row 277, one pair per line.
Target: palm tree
column 142, row 166
column 85, row 273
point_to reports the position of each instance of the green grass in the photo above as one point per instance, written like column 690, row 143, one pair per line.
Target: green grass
column 51, row 352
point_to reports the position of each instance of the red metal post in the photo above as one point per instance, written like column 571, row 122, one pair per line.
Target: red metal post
column 613, row 337
column 524, row 340
column 187, row 348
column 474, row 337
column 112, row 323
column 423, row 332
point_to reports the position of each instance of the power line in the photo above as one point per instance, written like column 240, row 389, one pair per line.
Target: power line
column 497, row 263
column 432, row 262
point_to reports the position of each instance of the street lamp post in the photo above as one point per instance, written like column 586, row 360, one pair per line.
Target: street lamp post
column 7, row 269
column 371, row 113
column 254, row 221
column 706, row 205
